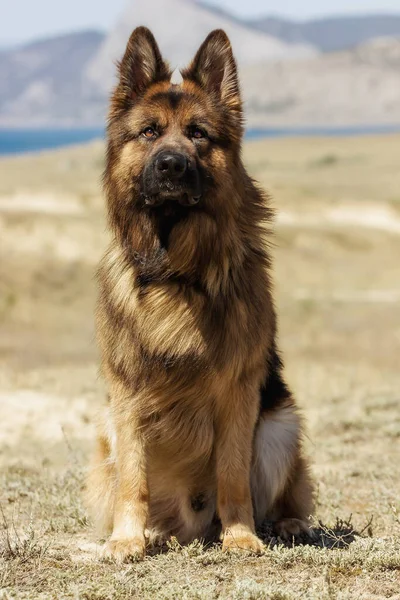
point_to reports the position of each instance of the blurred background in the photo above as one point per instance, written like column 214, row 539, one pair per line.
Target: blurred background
column 303, row 65
column 321, row 83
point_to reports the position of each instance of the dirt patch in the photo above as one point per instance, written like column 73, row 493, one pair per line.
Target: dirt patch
column 369, row 217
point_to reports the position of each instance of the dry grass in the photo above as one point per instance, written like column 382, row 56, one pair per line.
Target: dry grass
column 337, row 285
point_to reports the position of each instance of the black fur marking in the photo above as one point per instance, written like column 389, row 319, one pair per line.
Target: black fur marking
column 198, row 503
column 165, row 227
column 274, row 390
column 144, row 279
column 172, row 97
column 167, row 216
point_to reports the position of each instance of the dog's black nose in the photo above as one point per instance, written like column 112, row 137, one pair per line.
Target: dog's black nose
column 171, row 165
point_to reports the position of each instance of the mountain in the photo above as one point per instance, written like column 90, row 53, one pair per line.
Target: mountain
column 179, row 27
column 354, row 87
column 286, row 81
column 333, row 33
column 44, row 80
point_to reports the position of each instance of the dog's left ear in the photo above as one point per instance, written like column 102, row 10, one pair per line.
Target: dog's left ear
column 214, row 69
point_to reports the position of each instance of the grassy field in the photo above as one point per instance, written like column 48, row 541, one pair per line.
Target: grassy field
column 337, row 274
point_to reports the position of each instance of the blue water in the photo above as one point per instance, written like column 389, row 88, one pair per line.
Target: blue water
column 15, row 141
column 321, row 131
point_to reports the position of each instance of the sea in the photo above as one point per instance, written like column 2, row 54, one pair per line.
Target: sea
column 18, row 141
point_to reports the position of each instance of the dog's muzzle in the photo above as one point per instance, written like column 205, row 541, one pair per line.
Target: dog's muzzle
column 172, row 177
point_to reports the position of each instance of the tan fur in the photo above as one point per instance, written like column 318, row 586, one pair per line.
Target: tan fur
column 200, row 423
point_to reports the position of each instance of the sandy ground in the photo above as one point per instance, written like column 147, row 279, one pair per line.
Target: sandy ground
column 338, row 296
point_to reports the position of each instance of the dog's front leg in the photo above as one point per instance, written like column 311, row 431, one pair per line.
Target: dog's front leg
column 131, row 495
column 236, row 420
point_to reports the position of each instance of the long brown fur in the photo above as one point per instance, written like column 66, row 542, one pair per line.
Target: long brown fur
column 200, row 425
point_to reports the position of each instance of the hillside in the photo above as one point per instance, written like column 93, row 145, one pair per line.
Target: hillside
column 180, row 39
column 358, row 86
column 286, row 80
column 333, row 33
column 44, row 80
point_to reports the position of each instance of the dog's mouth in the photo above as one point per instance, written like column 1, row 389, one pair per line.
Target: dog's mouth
column 182, row 198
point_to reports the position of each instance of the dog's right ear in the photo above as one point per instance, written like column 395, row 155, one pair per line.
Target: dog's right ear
column 141, row 66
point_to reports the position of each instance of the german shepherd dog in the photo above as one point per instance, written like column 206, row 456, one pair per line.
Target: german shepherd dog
column 201, row 431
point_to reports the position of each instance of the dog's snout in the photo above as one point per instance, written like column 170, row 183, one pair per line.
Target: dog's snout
column 171, row 165
column 172, row 175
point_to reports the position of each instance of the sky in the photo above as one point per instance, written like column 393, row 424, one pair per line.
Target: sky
column 23, row 20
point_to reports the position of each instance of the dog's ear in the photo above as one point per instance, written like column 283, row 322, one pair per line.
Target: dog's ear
column 214, row 69
column 141, row 65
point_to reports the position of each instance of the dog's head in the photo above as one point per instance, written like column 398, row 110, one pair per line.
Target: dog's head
column 170, row 145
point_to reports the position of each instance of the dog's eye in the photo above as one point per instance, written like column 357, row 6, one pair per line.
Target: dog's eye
column 198, row 133
column 149, row 132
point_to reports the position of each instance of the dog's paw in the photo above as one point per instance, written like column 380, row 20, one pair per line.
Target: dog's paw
column 129, row 550
column 236, row 540
column 287, row 528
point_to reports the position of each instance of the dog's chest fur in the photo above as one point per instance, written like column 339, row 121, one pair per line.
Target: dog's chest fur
column 175, row 348
column 172, row 323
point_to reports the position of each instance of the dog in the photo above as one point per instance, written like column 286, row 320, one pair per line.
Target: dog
column 201, row 433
